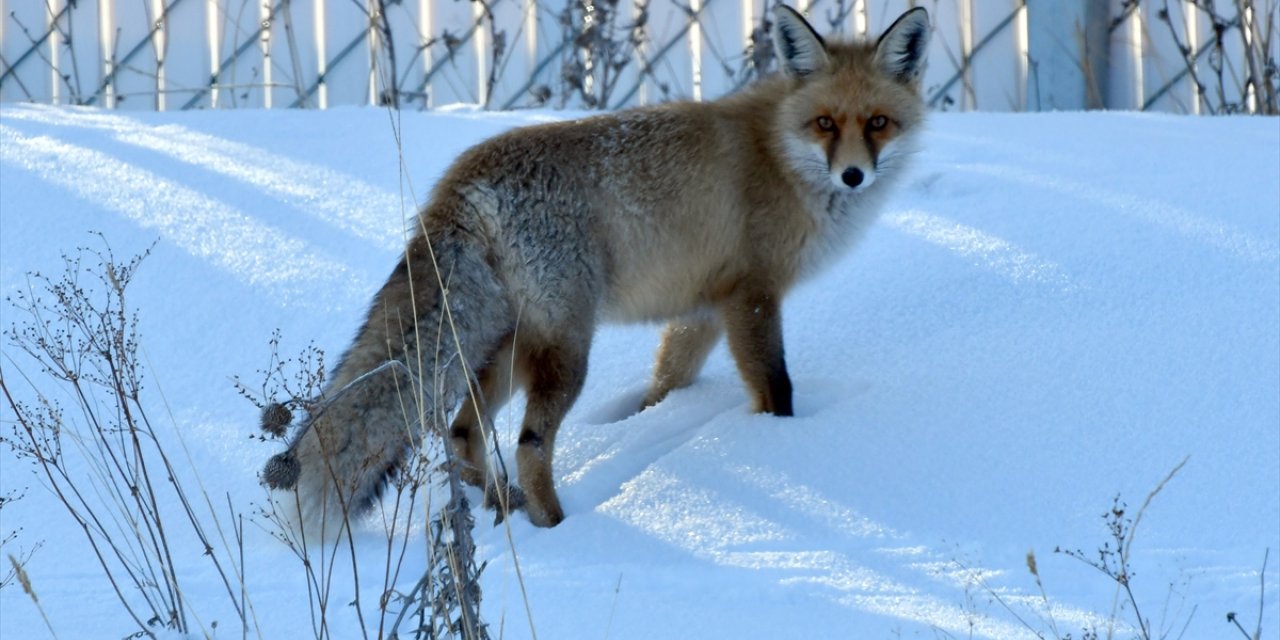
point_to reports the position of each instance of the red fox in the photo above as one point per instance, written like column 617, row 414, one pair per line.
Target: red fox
column 699, row 214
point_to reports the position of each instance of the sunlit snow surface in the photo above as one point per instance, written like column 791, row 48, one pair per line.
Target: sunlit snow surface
column 1054, row 309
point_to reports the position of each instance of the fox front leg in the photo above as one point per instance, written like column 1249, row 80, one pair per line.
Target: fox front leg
column 753, row 325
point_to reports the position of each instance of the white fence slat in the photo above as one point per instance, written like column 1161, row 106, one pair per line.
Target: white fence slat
column 271, row 22
column 107, row 36
column 213, row 40
column 1196, row 31
column 56, row 9
column 1125, row 90
column 159, row 19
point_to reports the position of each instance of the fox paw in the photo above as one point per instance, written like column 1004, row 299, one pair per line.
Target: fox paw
column 504, row 499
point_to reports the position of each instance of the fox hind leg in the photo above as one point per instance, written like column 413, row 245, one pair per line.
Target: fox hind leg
column 555, row 375
column 686, row 343
column 472, row 426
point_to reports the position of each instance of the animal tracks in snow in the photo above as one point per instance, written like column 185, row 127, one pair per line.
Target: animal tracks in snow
column 669, row 474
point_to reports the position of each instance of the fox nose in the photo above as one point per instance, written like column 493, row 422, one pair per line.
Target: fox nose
column 852, row 177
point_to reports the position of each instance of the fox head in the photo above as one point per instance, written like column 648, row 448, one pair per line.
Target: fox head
column 854, row 107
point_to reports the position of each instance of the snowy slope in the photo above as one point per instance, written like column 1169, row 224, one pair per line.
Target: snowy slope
column 1055, row 309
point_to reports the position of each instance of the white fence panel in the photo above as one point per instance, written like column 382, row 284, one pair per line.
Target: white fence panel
column 985, row 54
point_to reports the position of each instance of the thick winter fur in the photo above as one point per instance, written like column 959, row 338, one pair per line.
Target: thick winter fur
column 700, row 214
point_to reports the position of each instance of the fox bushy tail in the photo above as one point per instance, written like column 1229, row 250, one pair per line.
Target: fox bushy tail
column 408, row 366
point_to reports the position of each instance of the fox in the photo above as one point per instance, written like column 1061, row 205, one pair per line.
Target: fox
column 702, row 215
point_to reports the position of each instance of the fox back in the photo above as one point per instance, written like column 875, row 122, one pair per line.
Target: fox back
column 700, row 214
column 675, row 202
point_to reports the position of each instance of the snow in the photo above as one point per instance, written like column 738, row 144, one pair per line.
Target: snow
column 1053, row 310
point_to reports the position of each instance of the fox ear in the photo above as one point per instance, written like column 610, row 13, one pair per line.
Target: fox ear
column 799, row 47
column 900, row 52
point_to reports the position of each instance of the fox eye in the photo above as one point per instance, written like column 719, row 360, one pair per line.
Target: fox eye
column 877, row 123
column 825, row 123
